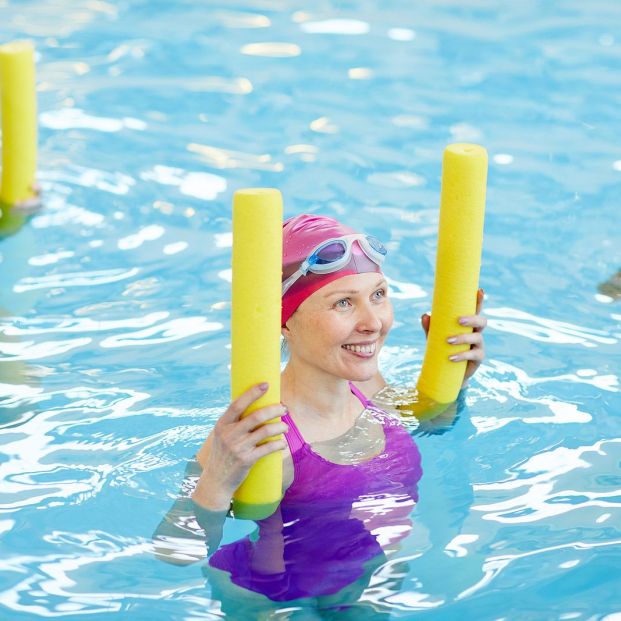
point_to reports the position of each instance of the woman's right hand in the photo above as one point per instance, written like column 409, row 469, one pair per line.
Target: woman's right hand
column 234, row 446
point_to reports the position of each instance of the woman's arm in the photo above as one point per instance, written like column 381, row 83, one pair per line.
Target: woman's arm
column 180, row 538
column 234, row 445
column 188, row 533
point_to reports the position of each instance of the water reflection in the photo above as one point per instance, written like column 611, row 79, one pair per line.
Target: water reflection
column 406, row 554
column 16, row 250
column 332, row 533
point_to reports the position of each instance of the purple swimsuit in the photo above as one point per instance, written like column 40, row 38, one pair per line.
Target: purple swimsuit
column 331, row 519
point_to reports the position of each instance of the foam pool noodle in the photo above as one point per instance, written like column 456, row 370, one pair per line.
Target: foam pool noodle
column 458, row 262
column 18, row 110
column 255, row 331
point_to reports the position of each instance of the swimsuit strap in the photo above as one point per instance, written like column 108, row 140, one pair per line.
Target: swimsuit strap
column 366, row 402
column 293, row 436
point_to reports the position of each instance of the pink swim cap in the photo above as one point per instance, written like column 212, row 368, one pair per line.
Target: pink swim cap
column 299, row 236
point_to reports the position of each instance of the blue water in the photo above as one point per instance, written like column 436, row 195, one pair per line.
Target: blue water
column 114, row 303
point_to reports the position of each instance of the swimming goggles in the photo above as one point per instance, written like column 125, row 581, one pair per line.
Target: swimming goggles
column 334, row 254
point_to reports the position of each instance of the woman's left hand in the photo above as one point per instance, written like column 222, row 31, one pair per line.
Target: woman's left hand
column 476, row 354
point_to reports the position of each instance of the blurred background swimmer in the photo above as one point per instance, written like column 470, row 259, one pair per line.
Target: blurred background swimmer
column 612, row 286
column 350, row 469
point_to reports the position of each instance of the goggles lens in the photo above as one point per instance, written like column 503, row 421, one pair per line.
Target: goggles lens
column 334, row 251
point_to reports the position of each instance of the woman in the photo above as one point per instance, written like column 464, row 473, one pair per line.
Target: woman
column 350, row 469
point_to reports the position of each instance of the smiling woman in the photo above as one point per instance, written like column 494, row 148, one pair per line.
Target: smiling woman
column 334, row 302
column 350, row 469
column 340, row 330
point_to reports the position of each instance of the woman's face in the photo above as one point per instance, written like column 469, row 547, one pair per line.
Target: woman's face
column 341, row 327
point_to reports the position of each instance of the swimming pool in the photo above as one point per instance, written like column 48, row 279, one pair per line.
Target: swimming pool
column 115, row 298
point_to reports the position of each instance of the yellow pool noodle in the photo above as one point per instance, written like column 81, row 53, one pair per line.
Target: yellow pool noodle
column 18, row 110
column 255, row 330
column 458, row 262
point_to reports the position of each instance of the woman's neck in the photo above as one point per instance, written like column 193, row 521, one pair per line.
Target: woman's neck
column 322, row 404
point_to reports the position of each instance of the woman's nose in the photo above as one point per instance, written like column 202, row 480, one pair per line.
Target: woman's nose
column 369, row 319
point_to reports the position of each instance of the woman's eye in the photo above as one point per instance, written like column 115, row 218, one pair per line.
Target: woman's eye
column 380, row 293
column 344, row 303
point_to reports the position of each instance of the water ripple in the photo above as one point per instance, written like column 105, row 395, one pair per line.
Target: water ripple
column 193, row 84
column 75, row 279
column 59, row 213
column 336, row 26
column 115, row 183
column 225, row 158
column 74, row 118
column 493, row 566
column 199, row 184
column 550, row 482
column 507, row 383
column 238, row 19
column 172, row 330
column 29, row 350
column 271, row 50
column 545, row 330
column 58, row 573
column 21, row 326
column 405, row 290
column 146, row 233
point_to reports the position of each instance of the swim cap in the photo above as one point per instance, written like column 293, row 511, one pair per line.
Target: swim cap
column 299, row 236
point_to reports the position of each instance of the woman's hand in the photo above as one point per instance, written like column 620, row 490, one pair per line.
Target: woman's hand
column 235, row 445
column 476, row 354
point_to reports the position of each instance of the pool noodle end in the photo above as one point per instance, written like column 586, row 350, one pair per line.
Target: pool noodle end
column 253, row 511
column 421, row 407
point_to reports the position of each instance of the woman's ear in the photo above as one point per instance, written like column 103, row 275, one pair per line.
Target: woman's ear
column 285, row 330
column 284, row 344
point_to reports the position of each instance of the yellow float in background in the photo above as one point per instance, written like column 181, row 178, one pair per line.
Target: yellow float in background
column 458, row 263
column 255, row 330
column 18, row 110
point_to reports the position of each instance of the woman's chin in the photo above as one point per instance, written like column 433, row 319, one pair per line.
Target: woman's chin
column 362, row 373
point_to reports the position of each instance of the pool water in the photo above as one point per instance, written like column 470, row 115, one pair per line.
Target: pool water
column 115, row 298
